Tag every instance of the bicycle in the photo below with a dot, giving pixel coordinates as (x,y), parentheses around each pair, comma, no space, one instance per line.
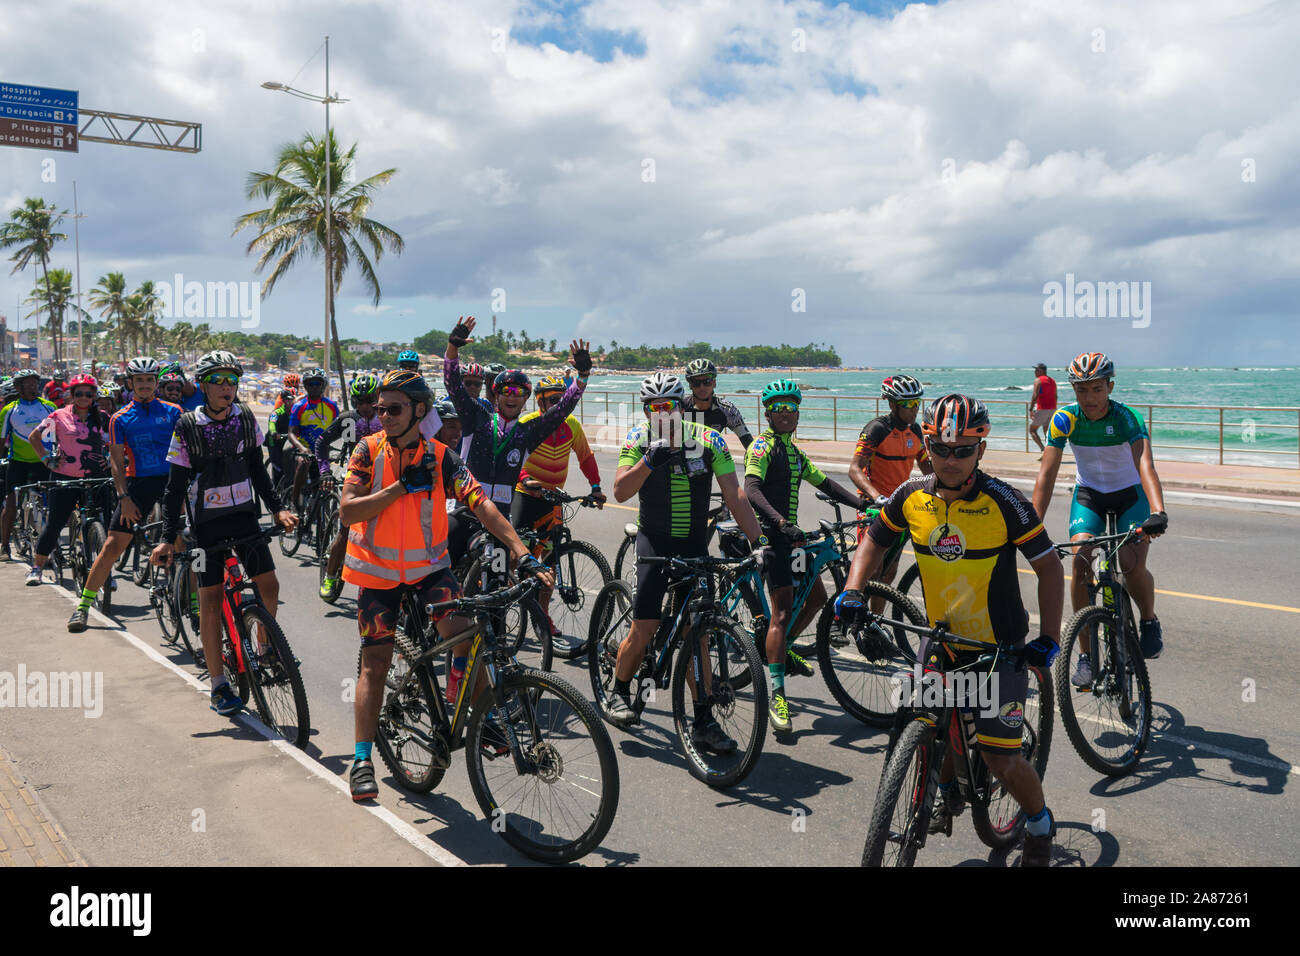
(625,560)
(175,602)
(732,683)
(557,761)
(580,572)
(86,535)
(1120,723)
(144,536)
(921,737)
(321,504)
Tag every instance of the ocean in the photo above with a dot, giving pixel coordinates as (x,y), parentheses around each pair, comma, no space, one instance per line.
(834,405)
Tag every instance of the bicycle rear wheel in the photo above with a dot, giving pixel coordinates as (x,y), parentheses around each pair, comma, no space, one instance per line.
(407,736)
(276,681)
(184,603)
(94,536)
(901,814)
(553,797)
(160,599)
(580,572)
(611,620)
(625,562)
(329,533)
(738,706)
(140,569)
(999,821)
(291,541)
(1109,721)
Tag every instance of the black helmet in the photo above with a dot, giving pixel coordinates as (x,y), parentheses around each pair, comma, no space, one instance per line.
(409,382)
(314,375)
(217,359)
(513,377)
(446,410)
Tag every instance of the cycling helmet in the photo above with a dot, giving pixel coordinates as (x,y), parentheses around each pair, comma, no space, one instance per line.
(83,380)
(955,416)
(25,373)
(408,355)
(660,385)
(901,388)
(109,390)
(8,391)
(1091,366)
(172,368)
(513,377)
(472,371)
(409,382)
(217,359)
(314,375)
(287,395)
(550,383)
(697,367)
(493,369)
(142,365)
(364,384)
(786,389)
(446,410)
(292,380)
(171,378)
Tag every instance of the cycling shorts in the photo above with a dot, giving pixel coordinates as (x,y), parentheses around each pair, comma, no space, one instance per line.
(894,550)
(256,558)
(999,718)
(377,608)
(1088,509)
(527,512)
(146,492)
(652,579)
(779,570)
(25,473)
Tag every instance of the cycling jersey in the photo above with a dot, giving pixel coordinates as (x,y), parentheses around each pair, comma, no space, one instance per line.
(674,501)
(219,464)
(549,464)
(891,450)
(351,426)
(966,552)
(777,464)
(1103,455)
(17,420)
(309,419)
(80,443)
(721,414)
(192,402)
(145,432)
(277,424)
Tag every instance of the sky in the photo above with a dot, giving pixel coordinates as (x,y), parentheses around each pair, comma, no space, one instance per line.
(903,182)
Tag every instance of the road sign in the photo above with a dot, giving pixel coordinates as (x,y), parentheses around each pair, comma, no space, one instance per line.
(46,114)
(37,135)
(23,95)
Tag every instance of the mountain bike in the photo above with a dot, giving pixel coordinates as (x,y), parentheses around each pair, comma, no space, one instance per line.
(625,560)
(540,762)
(921,737)
(1114,729)
(717,666)
(320,505)
(144,536)
(175,602)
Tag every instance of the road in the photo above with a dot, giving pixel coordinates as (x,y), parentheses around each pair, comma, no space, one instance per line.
(1211,790)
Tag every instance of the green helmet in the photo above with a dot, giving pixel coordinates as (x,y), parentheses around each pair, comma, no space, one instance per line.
(782,389)
(365,384)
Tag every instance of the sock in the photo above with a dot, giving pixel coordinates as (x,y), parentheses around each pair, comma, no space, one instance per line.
(218,682)
(362,750)
(703,714)
(87,599)
(623,687)
(1040,824)
(459,664)
(778,677)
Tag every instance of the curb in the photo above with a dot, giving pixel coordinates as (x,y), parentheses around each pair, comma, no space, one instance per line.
(41,841)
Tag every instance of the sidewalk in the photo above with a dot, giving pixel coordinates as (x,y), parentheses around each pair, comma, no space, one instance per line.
(137,771)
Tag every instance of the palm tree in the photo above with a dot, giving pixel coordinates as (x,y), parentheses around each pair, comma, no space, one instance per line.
(109,297)
(54,297)
(294,224)
(30,232)
(201,340)
(178,339)
(148,306)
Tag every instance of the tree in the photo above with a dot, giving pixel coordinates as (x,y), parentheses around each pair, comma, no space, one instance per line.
(109,297)
(433,342)
(54,297)
(30,233)
(294,224)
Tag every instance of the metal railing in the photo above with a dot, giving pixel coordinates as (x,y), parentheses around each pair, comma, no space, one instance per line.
(1245,435)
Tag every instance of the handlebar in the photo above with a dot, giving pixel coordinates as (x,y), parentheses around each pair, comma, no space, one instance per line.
(557,497)
(487,602)
(1065,548)
(263,534)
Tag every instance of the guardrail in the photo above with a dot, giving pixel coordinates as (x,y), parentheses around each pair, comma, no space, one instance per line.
(1229,434)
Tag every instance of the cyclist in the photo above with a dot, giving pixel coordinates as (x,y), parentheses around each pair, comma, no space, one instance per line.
(490,373)
(1114,472)
(351,426)
(277,431)
(124,393)
(472,376)
(106,398)
(138,438)
(215,478)
(965,527)
(547,468)
(171,388)
(888,448)
(703,405)
(56,390)
(309,416)
(191,396)
(408,360)
(394,501)
(450,432)
(774,468)
(17,419)
(670,462)
(77,431)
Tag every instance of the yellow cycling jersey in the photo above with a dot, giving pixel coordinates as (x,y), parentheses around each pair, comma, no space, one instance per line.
(966,550)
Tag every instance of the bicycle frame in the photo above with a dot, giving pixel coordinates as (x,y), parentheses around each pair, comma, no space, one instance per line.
(823,553)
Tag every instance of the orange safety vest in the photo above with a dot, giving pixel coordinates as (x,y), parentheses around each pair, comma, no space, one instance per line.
(406,541)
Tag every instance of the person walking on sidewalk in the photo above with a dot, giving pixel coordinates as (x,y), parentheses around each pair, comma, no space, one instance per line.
(1042,404)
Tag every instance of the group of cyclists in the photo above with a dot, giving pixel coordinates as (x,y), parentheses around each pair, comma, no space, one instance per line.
(421,472)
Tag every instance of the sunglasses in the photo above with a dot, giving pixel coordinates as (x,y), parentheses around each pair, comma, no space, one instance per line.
(697,382)
(391,410)
(908,403)
(953,451)
(549,398)
(83,394)
(783,407)
(664,405)
(221,378)
(512,391)
(316,384)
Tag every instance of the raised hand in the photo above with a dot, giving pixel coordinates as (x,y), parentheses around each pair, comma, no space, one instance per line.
(580,356)
(460,335)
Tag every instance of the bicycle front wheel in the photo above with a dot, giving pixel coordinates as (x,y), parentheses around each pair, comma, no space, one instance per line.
(625,562)
(407,736)
(542,767)
(95,539)
(736,696)
(1109,720)
(276,681)
(184,604)
(611,620)
(141,570)
(999,821)
(901,814)
(580,572)
(330,532)
(291,541)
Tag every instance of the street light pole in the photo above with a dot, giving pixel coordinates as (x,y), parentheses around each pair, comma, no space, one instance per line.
(329,223)
(76,218)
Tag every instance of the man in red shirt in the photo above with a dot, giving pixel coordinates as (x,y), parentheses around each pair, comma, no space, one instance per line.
(1042,404)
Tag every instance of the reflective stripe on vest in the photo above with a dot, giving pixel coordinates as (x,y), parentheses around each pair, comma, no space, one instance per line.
(406,541)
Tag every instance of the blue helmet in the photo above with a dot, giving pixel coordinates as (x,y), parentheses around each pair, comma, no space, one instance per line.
(408,355)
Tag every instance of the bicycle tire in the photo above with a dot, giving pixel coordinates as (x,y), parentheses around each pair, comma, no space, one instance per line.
(331,532)
(160,599)
(999,821)
(915,749)
(408,696)
(141,569)
(727,640)
(96,539)
(514,624)
(1094,620)
(230,664)
(611,619)
(277,683)
(547,716)
(861,675)
(327,508)
(625,562)
(574,595)
(291,541)
(187,622)
(911,587)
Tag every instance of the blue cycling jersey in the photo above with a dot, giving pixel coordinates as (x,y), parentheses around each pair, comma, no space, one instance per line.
(146,433)
(310,419)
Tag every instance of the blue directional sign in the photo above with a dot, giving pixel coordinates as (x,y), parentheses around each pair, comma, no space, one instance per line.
(43,114)
(20,94)
(38,117)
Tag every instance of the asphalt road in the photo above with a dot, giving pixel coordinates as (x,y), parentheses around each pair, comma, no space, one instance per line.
(1212,788)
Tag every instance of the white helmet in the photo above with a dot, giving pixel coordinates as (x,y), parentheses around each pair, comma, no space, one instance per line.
(142,365)
(901,388)
(661,385)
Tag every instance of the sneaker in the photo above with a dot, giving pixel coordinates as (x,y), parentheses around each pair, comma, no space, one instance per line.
(79,620)
(618,711)
(1037,850)
(1150,640)
(796,666)
(5,554)
(33,578)
(946,806)
(362,780)
(779,712)
(1082,676)
(330,589)
(708,735)
(225,701)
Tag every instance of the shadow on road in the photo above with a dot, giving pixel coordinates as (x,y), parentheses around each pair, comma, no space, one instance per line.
(1076,845)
